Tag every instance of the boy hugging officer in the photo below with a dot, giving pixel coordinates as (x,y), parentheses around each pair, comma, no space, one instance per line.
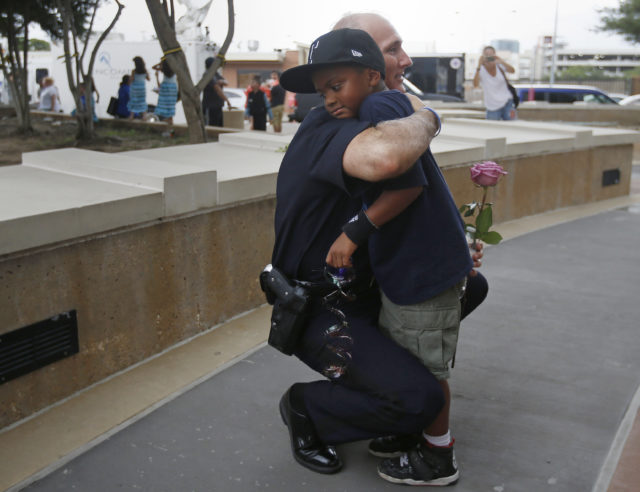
(418,254)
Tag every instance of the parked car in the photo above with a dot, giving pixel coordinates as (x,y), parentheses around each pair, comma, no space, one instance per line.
(631,100)
(303,104)
(559,93)
(616,96)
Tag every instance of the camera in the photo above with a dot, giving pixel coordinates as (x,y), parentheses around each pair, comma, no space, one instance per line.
(491,58)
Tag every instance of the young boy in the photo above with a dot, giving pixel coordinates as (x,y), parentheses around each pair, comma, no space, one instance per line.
(257,106)
(420,257)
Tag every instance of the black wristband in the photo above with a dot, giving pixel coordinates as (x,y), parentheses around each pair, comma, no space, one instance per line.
(359,228)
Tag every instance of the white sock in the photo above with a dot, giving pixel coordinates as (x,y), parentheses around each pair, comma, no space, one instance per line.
(440,441)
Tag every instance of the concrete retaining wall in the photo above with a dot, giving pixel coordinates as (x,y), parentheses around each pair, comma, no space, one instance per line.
(137,292)
(537,184)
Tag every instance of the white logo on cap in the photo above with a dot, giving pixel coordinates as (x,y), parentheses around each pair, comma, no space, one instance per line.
(356,53)
(313,47)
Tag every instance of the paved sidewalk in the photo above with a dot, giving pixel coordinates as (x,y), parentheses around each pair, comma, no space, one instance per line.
(544,376)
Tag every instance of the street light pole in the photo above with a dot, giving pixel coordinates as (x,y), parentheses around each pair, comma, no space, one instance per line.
(552,77)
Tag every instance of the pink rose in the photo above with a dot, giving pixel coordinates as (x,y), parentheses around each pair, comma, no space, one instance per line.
(486,173)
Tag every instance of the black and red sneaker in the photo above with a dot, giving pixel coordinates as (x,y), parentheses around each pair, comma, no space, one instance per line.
(424,465)
(393,446)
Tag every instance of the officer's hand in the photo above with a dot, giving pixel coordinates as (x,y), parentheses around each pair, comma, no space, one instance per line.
(476,256)
(341,252)
(415,101)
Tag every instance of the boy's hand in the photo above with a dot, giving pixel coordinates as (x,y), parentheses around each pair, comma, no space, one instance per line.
(341,251)
(476,256)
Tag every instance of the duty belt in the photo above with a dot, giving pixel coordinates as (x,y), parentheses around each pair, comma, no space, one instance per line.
(317,289)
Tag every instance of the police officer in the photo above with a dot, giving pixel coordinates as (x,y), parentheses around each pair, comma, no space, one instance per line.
(374,388)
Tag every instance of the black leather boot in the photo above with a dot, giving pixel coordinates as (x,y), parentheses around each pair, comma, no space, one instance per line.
(307,449)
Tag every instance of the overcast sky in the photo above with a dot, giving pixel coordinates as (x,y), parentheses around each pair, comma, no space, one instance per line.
(425,25)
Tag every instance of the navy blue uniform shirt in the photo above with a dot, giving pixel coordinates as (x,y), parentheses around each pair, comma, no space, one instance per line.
(422,251)
(314,198)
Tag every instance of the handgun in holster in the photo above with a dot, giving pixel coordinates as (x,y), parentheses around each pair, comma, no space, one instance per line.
(289,314)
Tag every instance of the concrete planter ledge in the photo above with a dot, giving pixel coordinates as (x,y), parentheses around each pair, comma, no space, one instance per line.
(241,166)
(185,187)
(451,151)
(448,113)
(39,207)
(243,172)
(584,136)
(520,140)
(490,148)
(257,140)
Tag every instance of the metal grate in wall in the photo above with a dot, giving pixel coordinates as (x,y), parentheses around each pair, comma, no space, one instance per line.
(611,177)
(29,348)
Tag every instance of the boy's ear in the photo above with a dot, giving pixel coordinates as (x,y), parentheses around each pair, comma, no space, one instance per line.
(374,77)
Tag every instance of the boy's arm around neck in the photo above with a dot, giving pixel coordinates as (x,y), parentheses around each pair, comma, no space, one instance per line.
(392,203)
(387,206)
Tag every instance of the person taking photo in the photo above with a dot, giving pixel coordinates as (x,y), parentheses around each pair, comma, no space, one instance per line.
(490,74)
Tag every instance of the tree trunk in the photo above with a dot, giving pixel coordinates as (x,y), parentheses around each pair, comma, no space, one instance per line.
(26,121)
(14,75)
(76,74)
(84,114)
(65,14)
(178,63)
(20,102)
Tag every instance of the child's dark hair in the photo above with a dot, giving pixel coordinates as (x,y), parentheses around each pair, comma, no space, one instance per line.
(257,79)
(165,69)
(125,80)
(139,63)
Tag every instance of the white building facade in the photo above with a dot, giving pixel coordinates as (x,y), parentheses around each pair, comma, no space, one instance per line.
(613,62)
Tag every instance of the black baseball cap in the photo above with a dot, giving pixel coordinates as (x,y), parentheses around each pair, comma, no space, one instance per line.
(339,46)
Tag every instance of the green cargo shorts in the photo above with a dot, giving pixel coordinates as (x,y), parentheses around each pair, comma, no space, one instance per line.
(429,330)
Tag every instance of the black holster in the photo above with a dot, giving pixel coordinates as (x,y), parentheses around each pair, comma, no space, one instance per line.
(289,316)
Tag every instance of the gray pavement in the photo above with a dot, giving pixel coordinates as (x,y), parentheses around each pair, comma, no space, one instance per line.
(545,371)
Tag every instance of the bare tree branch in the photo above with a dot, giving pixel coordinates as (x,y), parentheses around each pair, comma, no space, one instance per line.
(67,55)
(13,49)
(103,36)
(68,12)
(24,75)
(90,30)
(208,75)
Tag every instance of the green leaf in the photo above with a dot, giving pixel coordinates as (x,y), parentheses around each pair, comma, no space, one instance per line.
(491,237)
(463,208)
(484,220)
